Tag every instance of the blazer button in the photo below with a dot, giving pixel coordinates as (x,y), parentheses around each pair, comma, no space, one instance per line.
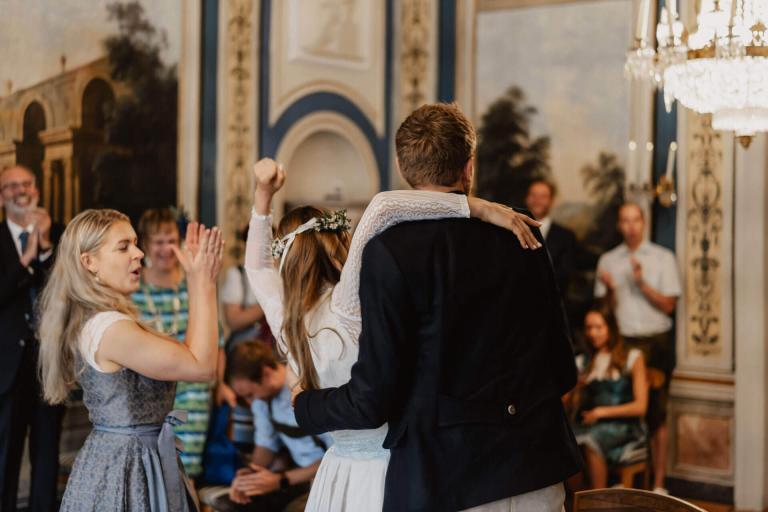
(22,343)
(511,409)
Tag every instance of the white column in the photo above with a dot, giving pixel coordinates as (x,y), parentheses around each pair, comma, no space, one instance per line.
(237,130)
(188,150)
(751,330)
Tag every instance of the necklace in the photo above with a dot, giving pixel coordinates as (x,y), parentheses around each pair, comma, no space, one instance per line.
(157,318)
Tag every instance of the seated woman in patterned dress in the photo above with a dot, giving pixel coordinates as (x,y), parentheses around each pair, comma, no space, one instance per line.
(611,398)
(90,334)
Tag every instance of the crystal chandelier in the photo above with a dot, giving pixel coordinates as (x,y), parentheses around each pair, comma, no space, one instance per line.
(721,68)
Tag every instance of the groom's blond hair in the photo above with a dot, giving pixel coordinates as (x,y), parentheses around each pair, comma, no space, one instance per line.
(434,144)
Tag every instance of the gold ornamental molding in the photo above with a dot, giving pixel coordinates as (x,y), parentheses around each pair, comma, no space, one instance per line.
(709,52)
(704,232)
(415,54)
(237,132)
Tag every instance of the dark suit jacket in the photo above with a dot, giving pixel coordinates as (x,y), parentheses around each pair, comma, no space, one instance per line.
(465,351)
(16,309)
(561,244)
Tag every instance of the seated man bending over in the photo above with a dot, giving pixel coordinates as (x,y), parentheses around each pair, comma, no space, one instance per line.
(266,484)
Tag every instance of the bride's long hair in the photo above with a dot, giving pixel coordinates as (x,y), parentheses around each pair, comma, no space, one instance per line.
(312,266)
(71,296)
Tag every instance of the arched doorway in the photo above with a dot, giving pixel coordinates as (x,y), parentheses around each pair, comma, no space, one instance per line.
(97,109)
(331,163)
(98,104)
(30,152)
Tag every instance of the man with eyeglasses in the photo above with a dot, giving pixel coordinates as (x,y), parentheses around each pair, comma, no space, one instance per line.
(27,238)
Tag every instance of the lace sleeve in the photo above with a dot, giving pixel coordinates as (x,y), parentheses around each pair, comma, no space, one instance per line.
(265,282)
(385,210)
(258,247)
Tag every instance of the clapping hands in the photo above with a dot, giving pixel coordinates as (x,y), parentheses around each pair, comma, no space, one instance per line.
(202,254)
(41,220)
(253,481)
(637,270)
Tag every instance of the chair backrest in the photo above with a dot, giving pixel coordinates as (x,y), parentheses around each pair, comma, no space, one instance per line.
(656,378)
(629,500)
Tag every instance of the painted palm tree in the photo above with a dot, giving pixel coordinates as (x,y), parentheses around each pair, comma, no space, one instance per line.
(605,180)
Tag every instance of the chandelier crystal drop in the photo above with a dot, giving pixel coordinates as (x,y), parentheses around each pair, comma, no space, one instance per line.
(720,68)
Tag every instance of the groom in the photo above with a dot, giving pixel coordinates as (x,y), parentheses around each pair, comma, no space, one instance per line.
(464,351)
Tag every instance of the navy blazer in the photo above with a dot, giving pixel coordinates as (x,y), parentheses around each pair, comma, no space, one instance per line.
(16,308)
(465,351)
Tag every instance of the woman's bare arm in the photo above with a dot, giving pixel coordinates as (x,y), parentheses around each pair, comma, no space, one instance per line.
(126,344)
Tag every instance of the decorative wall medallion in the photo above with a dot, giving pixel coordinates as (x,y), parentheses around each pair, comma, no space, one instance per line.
(332,32)
(704,222)
(239,136)
(329,47)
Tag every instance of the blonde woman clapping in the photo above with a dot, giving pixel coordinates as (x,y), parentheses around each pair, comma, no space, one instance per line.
(90,334)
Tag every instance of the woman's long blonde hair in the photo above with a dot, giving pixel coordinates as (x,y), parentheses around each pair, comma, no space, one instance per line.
(311,267)
(71,296)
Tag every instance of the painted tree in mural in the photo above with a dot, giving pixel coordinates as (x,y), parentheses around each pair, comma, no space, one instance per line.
(605,182)
(137,170)
(508,157)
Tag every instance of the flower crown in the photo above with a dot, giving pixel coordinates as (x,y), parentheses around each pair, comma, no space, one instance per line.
(335,221)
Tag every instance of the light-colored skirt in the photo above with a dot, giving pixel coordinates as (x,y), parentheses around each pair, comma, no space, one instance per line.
(352,474)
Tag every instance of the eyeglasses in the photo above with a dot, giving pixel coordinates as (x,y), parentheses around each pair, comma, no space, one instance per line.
(18,185)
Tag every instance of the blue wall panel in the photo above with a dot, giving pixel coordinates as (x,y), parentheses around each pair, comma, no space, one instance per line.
(209,53)
(446,51)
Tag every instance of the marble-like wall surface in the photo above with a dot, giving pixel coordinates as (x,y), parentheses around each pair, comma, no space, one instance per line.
(702,427)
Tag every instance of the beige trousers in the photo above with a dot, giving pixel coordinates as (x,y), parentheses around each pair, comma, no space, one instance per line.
(548,499)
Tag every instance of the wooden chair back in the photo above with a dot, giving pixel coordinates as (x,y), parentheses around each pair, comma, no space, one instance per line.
(656,378)
(629,500)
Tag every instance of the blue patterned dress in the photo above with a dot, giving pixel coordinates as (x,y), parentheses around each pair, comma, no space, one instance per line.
(121,468)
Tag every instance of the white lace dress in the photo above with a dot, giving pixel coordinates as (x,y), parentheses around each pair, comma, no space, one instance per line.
(351,475)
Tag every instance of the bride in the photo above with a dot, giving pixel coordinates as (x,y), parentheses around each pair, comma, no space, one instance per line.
(311,301)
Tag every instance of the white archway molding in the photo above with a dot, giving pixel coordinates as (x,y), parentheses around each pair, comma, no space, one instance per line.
(278,106)
(333,125)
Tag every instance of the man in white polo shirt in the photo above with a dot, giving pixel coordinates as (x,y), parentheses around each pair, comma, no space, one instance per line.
(640,280)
